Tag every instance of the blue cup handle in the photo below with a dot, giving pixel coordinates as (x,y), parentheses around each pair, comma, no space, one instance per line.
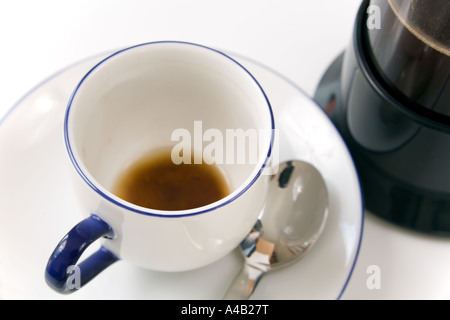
(62,273)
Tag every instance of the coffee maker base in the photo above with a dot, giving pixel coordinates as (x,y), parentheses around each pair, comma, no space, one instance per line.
(395,201)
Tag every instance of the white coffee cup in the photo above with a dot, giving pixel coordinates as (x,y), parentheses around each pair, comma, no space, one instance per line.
(132,102)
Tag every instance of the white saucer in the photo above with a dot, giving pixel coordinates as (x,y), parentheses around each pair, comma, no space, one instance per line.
(37,206)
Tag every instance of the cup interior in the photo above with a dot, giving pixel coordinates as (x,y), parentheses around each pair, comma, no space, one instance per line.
(133,101)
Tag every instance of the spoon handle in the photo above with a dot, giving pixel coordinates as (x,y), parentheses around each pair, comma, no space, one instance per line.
(244,283)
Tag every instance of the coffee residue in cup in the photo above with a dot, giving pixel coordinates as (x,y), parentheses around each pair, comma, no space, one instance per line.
(155,182)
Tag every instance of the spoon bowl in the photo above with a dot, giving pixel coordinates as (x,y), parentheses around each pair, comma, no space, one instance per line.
(289,225)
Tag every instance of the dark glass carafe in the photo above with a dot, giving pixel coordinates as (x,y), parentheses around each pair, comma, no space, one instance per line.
(393,110)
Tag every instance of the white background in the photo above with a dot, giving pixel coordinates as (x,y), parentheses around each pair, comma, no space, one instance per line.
(298,38)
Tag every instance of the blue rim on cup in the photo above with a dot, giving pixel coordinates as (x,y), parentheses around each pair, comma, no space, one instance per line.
(63,274)
(106,195)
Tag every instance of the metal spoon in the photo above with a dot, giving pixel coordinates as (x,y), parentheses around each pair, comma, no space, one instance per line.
(290,224)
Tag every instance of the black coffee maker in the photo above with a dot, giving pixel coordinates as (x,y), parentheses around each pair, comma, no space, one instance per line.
(389,96)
